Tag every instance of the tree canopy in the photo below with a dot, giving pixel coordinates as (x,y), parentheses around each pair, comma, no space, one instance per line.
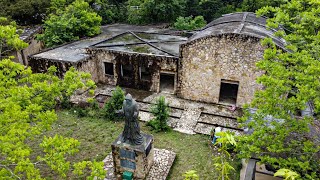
(71,23)
(24,12)
(27,103)
(290,82)
(9,39)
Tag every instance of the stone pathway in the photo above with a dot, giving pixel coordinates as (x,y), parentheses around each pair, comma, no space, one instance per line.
(163,160)
(188,120)
(186,116)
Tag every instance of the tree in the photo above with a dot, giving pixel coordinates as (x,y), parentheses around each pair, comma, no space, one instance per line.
(287,174)
(75,21)
(9,39)
(154,11)
(27,103)
(115,103)
(188,23)
(290,82)
(160,112)
(226,141)
(211,9)
(253,5)
(24,12)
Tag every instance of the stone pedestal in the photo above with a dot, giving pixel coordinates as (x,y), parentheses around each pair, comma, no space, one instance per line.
(137,159)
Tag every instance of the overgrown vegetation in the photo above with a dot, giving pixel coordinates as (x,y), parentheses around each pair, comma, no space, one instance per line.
(70,23)
(9,39)
(160,111)
(290,82)
(27,103)
(113,104)
(191,175)
(131,11)
(189,23)
(222,164)
(96,135)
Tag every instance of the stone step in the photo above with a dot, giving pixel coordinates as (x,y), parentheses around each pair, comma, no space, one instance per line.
(173,112)
(188,120)
(218,120)
(202,128)
(147,116)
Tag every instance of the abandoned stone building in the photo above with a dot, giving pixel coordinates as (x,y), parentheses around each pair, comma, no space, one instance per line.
(35,46)
(215,65)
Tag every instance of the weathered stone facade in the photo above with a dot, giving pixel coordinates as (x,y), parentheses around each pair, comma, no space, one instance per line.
(207,61)
(155,65)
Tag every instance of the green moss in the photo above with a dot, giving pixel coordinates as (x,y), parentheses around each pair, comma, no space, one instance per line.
(141,49)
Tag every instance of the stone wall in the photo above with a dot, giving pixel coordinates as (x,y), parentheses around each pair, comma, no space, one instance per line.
(206,61)
(156,65)
(21,56)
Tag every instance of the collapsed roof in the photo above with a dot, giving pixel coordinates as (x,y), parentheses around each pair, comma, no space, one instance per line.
(143,43)
(245,23)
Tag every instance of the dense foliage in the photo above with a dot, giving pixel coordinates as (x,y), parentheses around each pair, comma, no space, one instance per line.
(160,111)
(9,39)
(154,11)
(132,11)
(27,103)
(291,80)
(71,23)
(113,104)
(24,12)
(189,23)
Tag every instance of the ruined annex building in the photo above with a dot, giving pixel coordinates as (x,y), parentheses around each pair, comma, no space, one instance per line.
(215,65)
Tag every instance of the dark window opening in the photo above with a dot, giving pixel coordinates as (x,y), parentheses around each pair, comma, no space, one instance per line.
(127,70)
(167,82)
(108,68)
(145,73)
(228,92)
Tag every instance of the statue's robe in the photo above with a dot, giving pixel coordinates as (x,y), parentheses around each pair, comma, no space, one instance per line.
(131,130)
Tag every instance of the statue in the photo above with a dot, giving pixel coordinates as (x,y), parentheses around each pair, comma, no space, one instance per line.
(131,132)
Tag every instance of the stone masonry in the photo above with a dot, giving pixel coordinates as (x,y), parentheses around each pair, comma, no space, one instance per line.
(206,61)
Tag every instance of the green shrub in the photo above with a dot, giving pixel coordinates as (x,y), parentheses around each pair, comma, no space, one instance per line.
(161,113)
(188,23)
(114,103)
(191,175)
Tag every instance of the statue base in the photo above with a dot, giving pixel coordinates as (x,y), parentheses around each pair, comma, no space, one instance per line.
(137,159)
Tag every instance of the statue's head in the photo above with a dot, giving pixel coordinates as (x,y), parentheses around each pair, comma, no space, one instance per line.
(128,98)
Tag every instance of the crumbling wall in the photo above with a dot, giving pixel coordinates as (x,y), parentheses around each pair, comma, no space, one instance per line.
(89,66)
(155,64)
(39,65)
(34,47)
(205,62)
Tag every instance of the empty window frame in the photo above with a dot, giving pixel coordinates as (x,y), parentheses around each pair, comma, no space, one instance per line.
(167,82)
(108,68)
(145,73)
(228,91)
(127,70)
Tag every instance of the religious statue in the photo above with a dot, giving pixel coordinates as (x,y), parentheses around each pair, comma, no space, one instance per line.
(131,132)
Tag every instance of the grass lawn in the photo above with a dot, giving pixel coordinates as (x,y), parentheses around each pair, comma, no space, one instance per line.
(97,134)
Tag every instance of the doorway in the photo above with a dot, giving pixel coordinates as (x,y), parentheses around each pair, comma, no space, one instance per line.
(167,82)
(228,92)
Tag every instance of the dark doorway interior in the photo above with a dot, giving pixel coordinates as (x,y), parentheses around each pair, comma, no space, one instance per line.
(228,92)
(108,68)
(167,82)
(127,70)
(145,73)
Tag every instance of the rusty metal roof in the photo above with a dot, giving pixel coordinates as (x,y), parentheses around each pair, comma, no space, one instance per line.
(245,23)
